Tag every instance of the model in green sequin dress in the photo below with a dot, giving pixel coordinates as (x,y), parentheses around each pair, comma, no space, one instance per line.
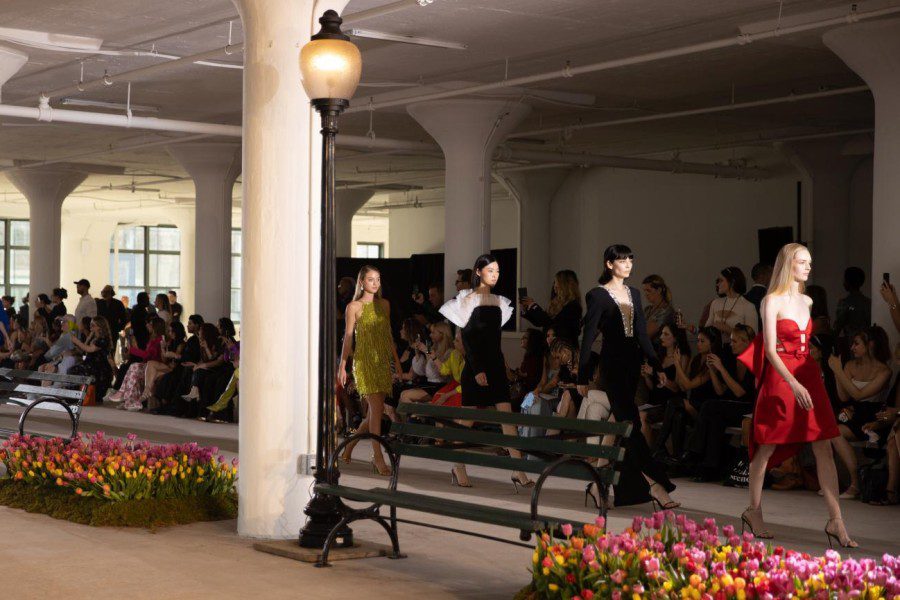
(373,354)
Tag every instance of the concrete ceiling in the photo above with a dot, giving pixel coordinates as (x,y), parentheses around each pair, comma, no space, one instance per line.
(514,37)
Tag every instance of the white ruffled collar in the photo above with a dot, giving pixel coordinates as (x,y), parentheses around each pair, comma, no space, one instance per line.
(459,310)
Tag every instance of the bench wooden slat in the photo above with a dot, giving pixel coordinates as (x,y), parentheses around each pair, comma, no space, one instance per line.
(535,444)
(25,403)
(40,390)
(442,506)
(593,428)
(37,376)
(607,475)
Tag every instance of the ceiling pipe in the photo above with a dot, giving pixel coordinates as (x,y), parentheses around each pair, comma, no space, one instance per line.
(48,114)
(763,141)
(568,71)
(165,67)
(695,111)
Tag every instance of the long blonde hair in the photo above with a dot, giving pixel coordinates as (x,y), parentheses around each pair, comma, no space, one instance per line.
(566,290)
(361,278)
(781,274)
(442,348)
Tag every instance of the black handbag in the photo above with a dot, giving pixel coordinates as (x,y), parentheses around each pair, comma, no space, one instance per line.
(873,482)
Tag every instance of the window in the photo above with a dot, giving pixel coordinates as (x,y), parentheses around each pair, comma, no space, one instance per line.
(236,275)
(15,238)
(369,250)
(145,259)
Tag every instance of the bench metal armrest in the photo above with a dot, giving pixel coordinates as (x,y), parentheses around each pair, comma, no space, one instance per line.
(332,468)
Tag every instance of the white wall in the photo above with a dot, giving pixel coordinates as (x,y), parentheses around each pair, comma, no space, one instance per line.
(373,229)
(683,227)
(421,230)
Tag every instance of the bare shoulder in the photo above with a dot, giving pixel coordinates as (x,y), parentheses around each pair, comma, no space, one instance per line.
(354,307)
(773,300)
(808,300)
(383,303)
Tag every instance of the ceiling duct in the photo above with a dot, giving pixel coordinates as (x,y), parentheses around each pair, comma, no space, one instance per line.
(11,61)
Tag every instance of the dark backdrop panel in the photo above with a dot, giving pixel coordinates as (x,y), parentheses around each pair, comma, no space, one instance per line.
(399,275)
(395,282)
(771,240)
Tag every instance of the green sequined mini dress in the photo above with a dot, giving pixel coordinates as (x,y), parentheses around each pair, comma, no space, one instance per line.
(373,355)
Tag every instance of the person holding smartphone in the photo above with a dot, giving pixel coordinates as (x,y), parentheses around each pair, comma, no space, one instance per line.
(889,295)
(563,314)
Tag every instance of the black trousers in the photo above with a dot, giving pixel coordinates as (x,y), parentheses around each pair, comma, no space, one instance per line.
(621,370)
(708,437)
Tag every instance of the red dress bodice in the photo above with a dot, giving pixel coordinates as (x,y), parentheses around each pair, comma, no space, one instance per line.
(777,417)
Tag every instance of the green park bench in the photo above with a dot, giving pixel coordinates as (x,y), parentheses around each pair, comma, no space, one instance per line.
(567,454)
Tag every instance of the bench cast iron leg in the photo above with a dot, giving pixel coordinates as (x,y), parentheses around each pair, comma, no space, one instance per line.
(392,532)
(323,558)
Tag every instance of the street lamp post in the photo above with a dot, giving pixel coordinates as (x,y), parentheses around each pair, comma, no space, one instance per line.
(330,66)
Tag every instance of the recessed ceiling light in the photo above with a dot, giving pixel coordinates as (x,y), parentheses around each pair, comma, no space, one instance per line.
(405,39)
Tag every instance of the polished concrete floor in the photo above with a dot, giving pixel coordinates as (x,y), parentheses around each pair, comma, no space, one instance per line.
(44,558)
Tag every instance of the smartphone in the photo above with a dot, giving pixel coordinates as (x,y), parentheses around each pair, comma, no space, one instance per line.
(523,292)
(887,278)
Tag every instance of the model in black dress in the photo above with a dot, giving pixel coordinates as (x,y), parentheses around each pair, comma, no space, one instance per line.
(481,315)
(624,345)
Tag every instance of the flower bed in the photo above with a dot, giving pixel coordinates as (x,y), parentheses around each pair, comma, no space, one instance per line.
(118,482)
(670,556)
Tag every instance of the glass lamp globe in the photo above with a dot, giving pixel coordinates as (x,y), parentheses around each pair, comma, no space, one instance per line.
(330,64)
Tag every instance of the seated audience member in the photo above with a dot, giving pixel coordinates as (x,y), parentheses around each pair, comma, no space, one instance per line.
(671,339)
(217,411)
(174,346)
(227,332)
(528,375)
(451,394)
(36,343)
(57,307)
(564,312)
(129,393)
(429,306)
(463,279)
(861,385)
(441,346)
(854,311)
(697,383)
(887,427)
(658,310)
(163,308)
(731,308)
(735,389)
(60,357)
(567,377)
(208,373)
(172,385)
(140,314)
(97,348)
(43,308)
(761,273)
(9,305)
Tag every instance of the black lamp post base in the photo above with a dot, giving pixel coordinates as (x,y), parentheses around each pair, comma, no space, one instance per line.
(323,513)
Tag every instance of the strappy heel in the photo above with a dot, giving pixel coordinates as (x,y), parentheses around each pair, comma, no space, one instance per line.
(589,493)
(747,518)
(517,482)
(385,473)
(848,543)
(670,505)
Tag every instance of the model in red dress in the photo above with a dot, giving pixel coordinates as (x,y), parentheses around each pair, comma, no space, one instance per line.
(792,407)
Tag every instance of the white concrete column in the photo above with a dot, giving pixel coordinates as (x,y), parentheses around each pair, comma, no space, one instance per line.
(46,189)
(873,51)
(468,131)
(214,167)
(534,191)
(828,174)
(280,232)
(346,203)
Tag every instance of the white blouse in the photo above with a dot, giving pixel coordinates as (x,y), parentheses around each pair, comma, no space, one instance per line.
(741,311)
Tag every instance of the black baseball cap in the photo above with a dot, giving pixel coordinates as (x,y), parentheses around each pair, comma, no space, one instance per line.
(83,282)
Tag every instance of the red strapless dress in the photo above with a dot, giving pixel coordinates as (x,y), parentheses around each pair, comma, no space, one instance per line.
(777,417)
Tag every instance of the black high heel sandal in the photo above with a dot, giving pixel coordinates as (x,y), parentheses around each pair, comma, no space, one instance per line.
(517,482)
(746,523)
(670,505)
(850,543)
(454,479)
(589,493)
